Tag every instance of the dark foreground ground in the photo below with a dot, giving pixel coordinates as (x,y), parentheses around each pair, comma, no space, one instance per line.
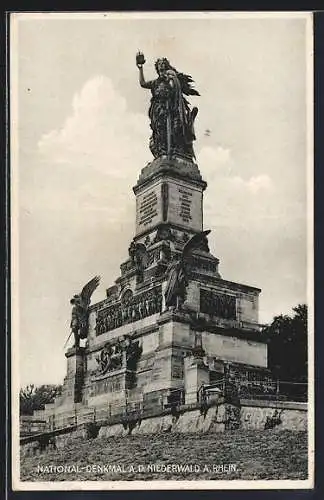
(252,454)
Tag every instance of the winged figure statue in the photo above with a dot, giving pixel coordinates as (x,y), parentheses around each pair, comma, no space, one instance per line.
(177,282)
(80,311)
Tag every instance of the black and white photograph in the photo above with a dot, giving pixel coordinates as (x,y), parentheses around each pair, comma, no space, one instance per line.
(161,187)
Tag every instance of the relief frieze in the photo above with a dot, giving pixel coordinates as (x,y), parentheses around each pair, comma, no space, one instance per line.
(122,312)
(218,304)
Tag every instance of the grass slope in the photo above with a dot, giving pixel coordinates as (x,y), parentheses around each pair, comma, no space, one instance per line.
(257,454)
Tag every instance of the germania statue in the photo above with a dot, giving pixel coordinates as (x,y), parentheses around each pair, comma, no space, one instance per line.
(172,120)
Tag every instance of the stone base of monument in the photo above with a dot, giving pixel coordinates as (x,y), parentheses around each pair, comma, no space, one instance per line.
(221,417)
(179,352)
(74,380)
(154,343)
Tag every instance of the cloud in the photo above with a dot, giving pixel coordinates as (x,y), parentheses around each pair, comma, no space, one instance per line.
(100,132)
(214,156)
(257,231)
(92,161)
(254,185)
(230,199)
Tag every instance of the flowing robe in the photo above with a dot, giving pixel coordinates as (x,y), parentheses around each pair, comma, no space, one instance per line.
(176,284)
(171,119)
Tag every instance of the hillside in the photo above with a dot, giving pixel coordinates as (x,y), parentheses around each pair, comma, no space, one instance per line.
(252,454)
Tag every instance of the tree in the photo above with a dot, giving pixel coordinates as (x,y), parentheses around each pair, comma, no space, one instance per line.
(34,398)
(287,345)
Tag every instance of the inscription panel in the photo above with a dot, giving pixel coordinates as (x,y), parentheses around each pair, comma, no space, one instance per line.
(169,201)
(114,384)
(148,208)
(185,206)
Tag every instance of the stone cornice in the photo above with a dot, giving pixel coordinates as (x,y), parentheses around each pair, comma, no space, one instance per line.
(175,167)
(203,278)
(171,225)
(199,323)
(140,332)
(251,335)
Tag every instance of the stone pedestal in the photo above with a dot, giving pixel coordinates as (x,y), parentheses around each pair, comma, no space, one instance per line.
(73,383)
(169,191)
(109,388)
(196,375)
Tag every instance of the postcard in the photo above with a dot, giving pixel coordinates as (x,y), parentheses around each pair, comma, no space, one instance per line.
(161,186)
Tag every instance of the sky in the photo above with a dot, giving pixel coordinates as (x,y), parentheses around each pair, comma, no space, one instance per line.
(81,139)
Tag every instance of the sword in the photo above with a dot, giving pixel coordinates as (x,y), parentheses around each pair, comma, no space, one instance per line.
(67,340)
(168,126)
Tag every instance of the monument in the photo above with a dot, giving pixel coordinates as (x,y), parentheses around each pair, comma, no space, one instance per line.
(170,324)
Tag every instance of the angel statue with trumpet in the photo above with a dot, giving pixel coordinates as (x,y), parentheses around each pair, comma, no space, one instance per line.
(172,120)
(80,311)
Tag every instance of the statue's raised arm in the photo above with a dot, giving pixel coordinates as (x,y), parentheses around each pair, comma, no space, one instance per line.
(140,61)
(172,120)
